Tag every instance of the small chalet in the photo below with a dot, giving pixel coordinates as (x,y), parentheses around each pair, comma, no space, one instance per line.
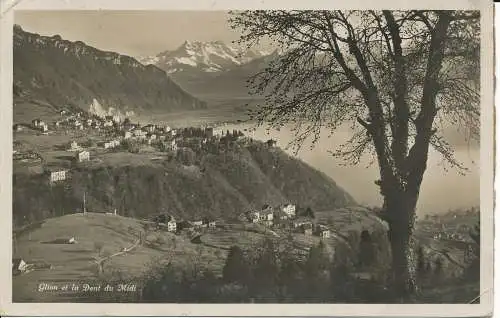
(111,144)
(171,224)
(83,156)
(57,175)
(289,209)
(323,232)
(210,223)
(197,223)
(266,214)
(37,123)
(19,266)
(108,123)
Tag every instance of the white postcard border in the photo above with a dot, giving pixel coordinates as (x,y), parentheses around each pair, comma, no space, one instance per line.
(487,163)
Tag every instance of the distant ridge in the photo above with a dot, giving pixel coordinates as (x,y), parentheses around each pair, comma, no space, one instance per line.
(209,57)
(66,74)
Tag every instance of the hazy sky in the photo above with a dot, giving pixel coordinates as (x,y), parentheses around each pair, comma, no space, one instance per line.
(132,33)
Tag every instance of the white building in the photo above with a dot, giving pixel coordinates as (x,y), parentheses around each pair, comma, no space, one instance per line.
(172,225)
(127,135)
(112,144)
(59,175)
(37,123)
(19,265)
(289,210)
(83,156)
(173,145)
(198,223)
(324,233)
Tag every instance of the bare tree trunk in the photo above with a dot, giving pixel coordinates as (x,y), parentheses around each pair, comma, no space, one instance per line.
(400,209)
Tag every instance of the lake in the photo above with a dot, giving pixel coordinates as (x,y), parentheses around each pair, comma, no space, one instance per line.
(442,189)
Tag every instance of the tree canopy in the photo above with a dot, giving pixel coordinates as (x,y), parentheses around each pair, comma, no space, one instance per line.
(377,70)
(398,78)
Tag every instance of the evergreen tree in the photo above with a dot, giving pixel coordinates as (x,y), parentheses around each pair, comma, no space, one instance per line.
(236,268)
(309,213)
(266,272)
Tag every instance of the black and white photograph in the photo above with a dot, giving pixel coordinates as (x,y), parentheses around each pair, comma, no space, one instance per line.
(242,156)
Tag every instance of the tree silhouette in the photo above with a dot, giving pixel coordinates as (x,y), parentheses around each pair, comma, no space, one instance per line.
(309,213)
(236,268)
(395,76)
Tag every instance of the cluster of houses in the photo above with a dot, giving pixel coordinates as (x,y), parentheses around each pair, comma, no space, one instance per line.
(168,222)
(454,226)
(165,138)
(286,214)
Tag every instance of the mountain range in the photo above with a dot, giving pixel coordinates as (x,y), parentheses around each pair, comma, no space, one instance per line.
(58,74)
(213,71)
(213,56)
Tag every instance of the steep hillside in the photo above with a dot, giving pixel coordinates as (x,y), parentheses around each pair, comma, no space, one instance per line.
(64,74)
(222,184)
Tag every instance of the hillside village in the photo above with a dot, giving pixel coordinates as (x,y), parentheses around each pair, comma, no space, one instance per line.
(115,134)
(122,135)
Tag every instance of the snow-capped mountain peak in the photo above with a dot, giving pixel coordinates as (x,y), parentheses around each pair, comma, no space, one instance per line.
(214,56)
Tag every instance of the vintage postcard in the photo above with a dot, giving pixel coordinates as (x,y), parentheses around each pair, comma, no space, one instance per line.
(247,158)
